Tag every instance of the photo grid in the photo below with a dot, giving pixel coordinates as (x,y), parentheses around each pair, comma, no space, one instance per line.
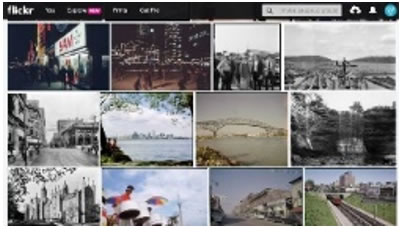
(202,124)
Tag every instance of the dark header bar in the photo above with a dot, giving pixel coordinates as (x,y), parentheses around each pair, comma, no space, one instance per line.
(15,11)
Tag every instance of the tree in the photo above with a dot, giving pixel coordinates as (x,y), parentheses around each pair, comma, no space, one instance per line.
(12,204)
(175,103)
(172,103)
(310,183)
(18,179)
(356,119)
(379,134)
(314,121)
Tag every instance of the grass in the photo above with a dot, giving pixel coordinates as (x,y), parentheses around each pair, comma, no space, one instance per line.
(385,210)
(317,211)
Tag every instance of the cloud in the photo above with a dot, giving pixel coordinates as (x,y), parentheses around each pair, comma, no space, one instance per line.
(389,39)
(118,123)
(130,173)
(338,40)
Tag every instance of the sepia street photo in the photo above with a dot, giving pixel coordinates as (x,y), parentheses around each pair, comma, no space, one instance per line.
(350,197)
(343,128)
(161,57)
(238,129)
(147,129)
(46,56)
(247,57)
(53,129)
(64,196)
(154,197)
(256,197)
(340,56)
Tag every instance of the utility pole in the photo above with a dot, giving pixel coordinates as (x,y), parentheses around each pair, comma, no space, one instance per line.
(180,211)
(93,133)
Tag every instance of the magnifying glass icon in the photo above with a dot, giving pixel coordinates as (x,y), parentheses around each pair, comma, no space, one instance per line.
(269,10)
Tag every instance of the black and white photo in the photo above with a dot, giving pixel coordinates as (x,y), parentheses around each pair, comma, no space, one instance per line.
(65,196)
(247,57)
(343,128)
(340,56)
(53,129)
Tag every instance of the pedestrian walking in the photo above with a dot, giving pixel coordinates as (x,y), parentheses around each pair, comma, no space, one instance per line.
(257,73)
(185,76)
(268,73)
(245,73)
(224,67)
(216,74)
(46,73)
(23,151)
(70,76)
(63,76)
(149,76)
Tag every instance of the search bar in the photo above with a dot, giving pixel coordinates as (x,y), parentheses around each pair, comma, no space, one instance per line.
(301,10)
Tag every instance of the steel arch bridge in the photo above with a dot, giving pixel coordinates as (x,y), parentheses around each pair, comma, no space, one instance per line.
(215,125)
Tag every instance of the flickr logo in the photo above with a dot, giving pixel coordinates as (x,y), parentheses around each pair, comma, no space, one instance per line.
(15,10)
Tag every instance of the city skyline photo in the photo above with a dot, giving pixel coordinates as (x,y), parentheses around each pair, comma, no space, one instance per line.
(147,128)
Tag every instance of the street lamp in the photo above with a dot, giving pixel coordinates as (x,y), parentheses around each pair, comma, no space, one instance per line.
(93,134)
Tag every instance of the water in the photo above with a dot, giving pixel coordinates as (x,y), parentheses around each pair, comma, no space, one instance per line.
(251,151)
(157,150)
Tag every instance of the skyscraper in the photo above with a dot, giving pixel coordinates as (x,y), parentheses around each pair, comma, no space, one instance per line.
(173,43)
(347,179)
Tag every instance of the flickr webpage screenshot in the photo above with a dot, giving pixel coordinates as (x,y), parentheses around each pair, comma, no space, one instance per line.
(201,114)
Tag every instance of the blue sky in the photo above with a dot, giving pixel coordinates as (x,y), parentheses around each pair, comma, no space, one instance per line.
(189,184)
(144,119)
(235,184)
(327,176)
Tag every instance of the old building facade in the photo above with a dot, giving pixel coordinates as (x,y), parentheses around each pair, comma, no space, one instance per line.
(63,205)
(26,123)
(75,132)
(269,202)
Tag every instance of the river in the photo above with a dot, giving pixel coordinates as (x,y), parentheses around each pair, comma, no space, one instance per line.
(251,151)
(157,149)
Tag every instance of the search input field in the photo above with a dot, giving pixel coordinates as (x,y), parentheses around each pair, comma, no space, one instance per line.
(302,10)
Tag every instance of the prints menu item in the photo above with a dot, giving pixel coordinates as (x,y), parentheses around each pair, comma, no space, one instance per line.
(155,197)
(358,131)
(241,129)
(50,129)
(257,197)
(340,56)
(350,197)
(161,57)
(247,57)
(58,56)
(53,196)
(147,129)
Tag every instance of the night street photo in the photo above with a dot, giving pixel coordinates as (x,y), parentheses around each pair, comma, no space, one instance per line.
(161,57)
(58,56)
